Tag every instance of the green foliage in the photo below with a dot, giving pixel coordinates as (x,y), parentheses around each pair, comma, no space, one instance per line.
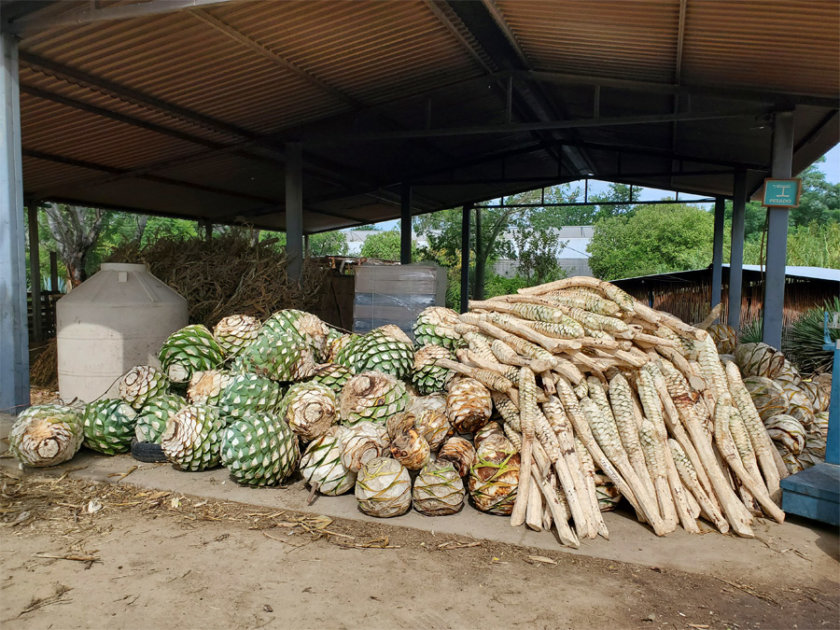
(653,239)
(820,200)
(816,245)
(499,285)
(328,244)
(803,341)
(386,246)
(751,331)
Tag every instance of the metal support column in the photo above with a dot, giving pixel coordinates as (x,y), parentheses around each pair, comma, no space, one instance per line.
(465,256)
(405,224)
(777,227)
(717,252)
(35,273)
(306,251)
(294,209)
(736,258)
(478,290)
(14,345)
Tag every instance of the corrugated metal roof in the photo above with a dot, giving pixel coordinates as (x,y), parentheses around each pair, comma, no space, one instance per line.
(185,112)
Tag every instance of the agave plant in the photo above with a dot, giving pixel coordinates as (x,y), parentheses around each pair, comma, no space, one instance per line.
(751,331)
(803,343)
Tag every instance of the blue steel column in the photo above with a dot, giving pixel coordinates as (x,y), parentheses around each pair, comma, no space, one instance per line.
(736,258)
(466,211)
(14,344)
(405,225)
(717,252)
(294,209)
(777,227)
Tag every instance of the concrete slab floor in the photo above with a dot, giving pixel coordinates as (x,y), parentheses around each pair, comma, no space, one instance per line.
(796,552)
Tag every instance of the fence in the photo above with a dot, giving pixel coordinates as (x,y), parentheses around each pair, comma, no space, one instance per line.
(48,300)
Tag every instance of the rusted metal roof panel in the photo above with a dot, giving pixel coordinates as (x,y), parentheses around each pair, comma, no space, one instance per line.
(617,38)
(791,46)
(186,112)
(787,46)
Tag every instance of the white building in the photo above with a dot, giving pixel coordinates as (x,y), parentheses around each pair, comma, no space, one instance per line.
(572,242)
(356,239)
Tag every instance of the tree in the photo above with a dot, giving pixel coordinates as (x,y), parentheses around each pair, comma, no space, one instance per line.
(328,244)
(820,199)
(536,252)
(654,239)
(75,230)
(385,246)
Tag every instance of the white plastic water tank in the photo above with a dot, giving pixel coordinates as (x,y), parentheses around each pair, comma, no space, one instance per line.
(115,320)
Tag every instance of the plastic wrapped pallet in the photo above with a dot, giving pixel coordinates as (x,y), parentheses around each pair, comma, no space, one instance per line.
(395,294)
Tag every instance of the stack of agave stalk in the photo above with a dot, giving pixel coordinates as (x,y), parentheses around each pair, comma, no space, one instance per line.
(547,407)
(584,378)
(794,408)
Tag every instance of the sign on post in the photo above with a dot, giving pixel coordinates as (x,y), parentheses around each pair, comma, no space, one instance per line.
(782,192)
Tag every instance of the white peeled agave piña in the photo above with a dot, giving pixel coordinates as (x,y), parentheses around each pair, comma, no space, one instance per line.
(46,435)
(362,442)
(383,488)
(460,452)
(438,489)
(410,448)
(321,465)
(310,409)
(787,431)
(430,419)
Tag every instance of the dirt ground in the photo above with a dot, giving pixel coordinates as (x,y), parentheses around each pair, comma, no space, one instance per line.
(80,554)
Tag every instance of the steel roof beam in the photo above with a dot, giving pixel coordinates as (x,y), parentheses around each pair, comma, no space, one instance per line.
(114,115)
(574,204)
(50,157)
(635,85)
(580,161)
(88,14)
(248,138)
(490,37)
(508,128)
(242,39)
(317,167)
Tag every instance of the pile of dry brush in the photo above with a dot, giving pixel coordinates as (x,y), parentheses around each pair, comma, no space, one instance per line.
(228,274)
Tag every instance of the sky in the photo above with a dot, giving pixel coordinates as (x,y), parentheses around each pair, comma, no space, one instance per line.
(831,168)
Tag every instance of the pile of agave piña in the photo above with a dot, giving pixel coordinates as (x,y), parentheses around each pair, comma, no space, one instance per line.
(547,406)
(794,408)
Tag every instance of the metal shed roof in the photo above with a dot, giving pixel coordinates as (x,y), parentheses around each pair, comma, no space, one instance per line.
(183,107)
